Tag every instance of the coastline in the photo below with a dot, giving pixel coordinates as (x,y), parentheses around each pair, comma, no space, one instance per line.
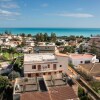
(59,31)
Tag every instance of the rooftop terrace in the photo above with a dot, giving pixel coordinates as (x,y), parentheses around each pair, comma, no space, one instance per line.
(39,57)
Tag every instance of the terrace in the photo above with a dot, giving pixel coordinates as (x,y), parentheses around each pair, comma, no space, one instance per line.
(51,88)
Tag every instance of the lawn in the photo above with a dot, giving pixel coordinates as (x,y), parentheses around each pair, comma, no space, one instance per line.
(8,56)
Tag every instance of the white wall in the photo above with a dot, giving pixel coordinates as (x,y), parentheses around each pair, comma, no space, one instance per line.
(76,62)
(62,60)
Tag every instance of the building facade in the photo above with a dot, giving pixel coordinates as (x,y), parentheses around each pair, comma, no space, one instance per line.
(77,59)
(44,47)
(44,64)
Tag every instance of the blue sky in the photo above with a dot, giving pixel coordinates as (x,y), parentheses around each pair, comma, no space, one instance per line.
(50,13)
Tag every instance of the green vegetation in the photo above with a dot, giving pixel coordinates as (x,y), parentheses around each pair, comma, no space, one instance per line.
(9,56)
(40,37)
(3,83)
(6,89)
(59,43)
(81,94)
(69,49)
(95,85)
(13,75)
(93,48)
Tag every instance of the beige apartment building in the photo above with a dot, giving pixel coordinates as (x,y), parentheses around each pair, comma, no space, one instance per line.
(44,64)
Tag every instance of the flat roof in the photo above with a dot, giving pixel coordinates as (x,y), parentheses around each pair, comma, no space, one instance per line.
(38,57)
(80,56)
(61,54)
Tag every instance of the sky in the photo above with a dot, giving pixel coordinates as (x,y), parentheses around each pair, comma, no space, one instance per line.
(50,13)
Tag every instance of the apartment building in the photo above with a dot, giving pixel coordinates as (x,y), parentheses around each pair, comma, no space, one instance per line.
(44,64)
(44,47)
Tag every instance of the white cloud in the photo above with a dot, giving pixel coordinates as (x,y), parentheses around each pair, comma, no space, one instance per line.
(5,0)
(9,6)
(76,15)
(44,5)
(8,13)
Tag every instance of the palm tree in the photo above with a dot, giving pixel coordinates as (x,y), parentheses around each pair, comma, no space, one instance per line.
(11,51)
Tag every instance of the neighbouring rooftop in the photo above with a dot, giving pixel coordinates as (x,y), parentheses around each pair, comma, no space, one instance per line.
(81,56)
(54,93)
(46,44)
(53,88)
(92,68)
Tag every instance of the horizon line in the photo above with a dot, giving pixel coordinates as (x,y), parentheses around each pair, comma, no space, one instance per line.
(51,27)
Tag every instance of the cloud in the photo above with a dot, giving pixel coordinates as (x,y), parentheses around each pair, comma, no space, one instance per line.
(76,15)
(44,5)
(8,13)
(5,0)
(10,6)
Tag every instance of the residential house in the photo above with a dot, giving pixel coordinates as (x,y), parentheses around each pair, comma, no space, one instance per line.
(44,64)
(77,59)
(43,47)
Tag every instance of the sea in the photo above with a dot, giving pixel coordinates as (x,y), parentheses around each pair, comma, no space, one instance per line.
(87,32)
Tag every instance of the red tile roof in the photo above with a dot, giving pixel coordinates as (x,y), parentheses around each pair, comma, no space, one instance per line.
(54,93)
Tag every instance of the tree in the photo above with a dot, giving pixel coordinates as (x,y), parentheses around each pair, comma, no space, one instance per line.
(82,36)
(81,94)
(53,37)
(41,37)
(8,94)
(45,37)
(3,83)
(23,35)
(93,48)
(69,49)
(59,43)
(72,37)
(91,35)
(29,35)
(37,37)
(13,75)
(11,51)
(81,49)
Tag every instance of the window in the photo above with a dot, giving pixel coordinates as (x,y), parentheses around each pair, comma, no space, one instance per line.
(60,65)
(34,67)
(37,74)
(81,62)
(88,61)
(48,66)
(49,73)
(54,66)
(39,67)
(29,75)
(60,71)
(43,73)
